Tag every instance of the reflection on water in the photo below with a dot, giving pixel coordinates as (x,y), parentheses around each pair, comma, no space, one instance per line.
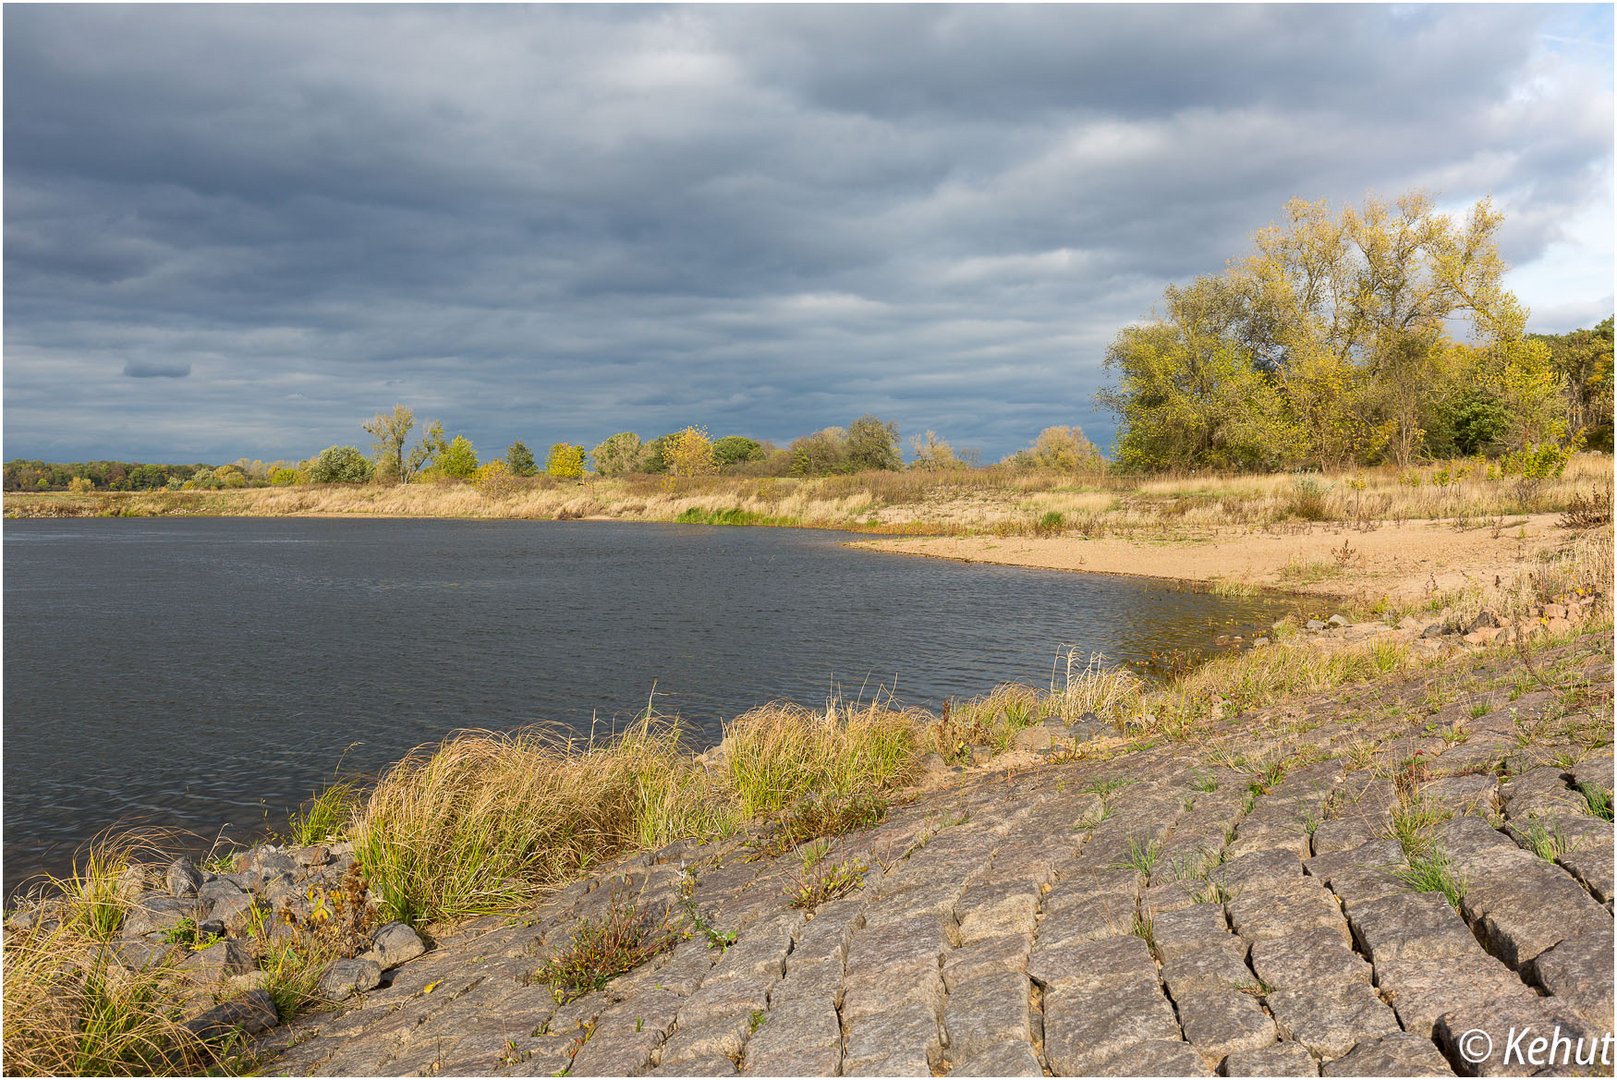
(211,672)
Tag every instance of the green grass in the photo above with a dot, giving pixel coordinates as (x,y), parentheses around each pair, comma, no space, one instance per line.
(1597,799)
(1548,842)
(1432,871)
(733,515)
(328,815)
(1141,857)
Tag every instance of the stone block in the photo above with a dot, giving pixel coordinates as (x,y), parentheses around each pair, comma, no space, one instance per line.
(1220,1022)
(988,1011)
(1279,1059)
(1399,1054)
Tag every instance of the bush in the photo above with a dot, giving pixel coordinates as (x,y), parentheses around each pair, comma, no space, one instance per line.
(458,460)
(341,465)
(735,449)
(79,485)
(1050,524)
(283,477)
(520,460)
(566,462)
(1309,500)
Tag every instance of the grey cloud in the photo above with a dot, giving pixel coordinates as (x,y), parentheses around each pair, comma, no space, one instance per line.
(138,369)
(559,222)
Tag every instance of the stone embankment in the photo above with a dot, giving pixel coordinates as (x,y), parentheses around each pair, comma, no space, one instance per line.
(1351,884)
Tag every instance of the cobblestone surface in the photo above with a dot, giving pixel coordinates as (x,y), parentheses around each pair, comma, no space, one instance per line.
(1242,904)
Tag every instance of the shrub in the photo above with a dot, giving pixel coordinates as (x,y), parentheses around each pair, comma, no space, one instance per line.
(735,449)
(283,477)
(566,461)
(79,485)
(619,454)
(1051,524)
(341,465)
(457,460)
(1587,511)
(1309,500)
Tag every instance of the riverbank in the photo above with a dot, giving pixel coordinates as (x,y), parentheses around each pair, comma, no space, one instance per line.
(1400,562)
(1020,885)
(499,823)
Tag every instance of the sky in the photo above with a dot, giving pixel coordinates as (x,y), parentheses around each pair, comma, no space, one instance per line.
(242,230)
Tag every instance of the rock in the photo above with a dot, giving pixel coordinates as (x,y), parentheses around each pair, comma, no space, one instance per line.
(1258,643)
(1408,622)
(1436,630)
(140,953)
(247,981)
(1487,619)
(214,927)
(217,962)
(393,945)
(1482,636)
(253,1013)
(345,977)
(263,864)
(1337,620)
(223,901)
(313,855)
(1037,737)
(1011,1058)
(1314,624)
(1555,611)
(1281,1059)
(182,878)
(156,911)
(1399,1054)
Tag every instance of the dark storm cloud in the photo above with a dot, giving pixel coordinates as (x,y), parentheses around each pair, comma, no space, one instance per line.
(556,223)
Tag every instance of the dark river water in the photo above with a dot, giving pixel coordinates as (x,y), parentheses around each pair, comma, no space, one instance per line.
(209,674)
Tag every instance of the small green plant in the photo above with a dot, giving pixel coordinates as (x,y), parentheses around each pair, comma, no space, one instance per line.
(1432,871)
(756,1021)
(1597,798)
(185,932)
(1143,927)
(1051,524)
(1205,782)
(1141,857)
(622,939)
(827,882)
(1547,842)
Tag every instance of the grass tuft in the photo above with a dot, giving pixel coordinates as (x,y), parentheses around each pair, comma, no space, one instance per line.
(601,949)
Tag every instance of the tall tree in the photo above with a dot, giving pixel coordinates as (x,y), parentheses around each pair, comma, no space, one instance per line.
(389,433)
(519,459)
(873,444)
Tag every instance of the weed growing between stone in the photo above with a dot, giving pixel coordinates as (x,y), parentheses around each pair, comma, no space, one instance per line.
(601,949)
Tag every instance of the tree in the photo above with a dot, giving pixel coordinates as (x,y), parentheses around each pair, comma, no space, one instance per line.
(689,453)
(932,454)
(389,433)
(519,459)
(458,460)
(495,479)
(618,455)
(341,465)
(823,453)
(873,445)
(1064,449)
(566,461)
(735,449)
(283,477)
(1330,345)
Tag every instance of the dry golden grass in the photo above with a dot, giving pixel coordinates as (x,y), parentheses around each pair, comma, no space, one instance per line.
(990,500)
(70,1008)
